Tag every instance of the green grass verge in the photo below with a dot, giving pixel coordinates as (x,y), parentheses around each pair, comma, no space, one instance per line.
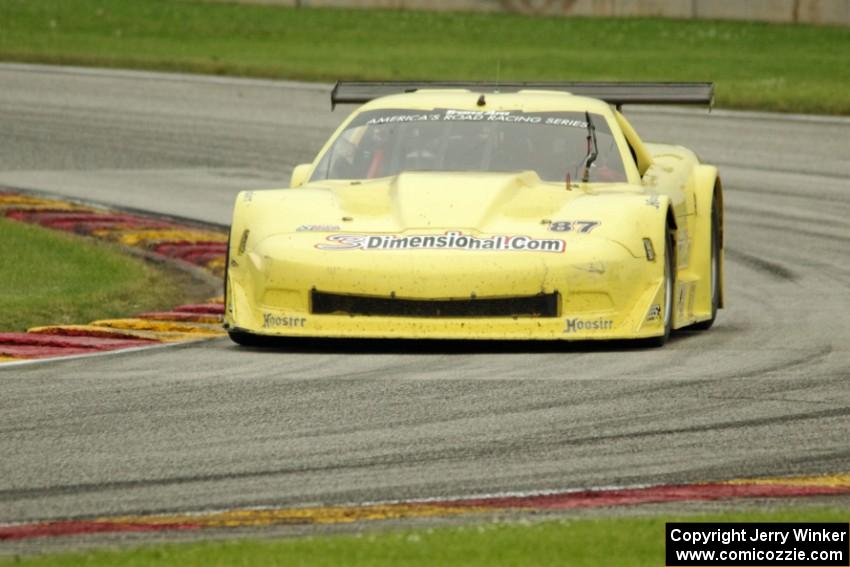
(626,542)
(755,65)
(50,277)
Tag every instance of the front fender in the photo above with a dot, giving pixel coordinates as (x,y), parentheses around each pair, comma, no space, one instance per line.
(238,243)
(639,218)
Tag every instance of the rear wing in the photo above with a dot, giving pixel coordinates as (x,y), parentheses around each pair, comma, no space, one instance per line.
(618,94)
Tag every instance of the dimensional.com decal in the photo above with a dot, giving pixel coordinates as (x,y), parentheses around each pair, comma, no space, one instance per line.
(448,241)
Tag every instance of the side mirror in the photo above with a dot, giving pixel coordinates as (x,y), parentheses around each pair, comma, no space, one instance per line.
(300,174)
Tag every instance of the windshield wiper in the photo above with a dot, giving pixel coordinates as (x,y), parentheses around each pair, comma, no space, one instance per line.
(592,148)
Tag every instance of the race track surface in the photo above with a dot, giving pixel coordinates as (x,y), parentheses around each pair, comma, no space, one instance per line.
(211,425)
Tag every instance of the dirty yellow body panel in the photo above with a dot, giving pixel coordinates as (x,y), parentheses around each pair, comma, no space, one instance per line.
(556,263)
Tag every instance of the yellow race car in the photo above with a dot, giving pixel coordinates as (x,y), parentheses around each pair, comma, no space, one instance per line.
(484,211)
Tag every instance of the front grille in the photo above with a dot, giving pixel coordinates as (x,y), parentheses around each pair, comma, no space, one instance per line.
(541,305)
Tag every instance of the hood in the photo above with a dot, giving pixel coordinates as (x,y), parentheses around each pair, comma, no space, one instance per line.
(480,202)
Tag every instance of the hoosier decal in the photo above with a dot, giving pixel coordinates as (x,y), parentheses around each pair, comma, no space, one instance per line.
(448,241)
(575,325)
(272,320)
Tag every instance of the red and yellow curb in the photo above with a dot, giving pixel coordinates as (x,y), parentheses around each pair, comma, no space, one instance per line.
(840,480)
(780,487)
(167,239)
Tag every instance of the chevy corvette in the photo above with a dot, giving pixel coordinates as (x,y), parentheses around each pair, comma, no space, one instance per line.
(484,211)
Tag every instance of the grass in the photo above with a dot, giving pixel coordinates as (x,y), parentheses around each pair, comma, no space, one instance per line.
(625,542)
(49,277)
(795,68)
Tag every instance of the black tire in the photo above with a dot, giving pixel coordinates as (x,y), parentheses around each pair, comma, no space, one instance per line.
(669,299)
(715,272)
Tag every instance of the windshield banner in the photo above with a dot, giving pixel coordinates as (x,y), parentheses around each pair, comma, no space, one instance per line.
(408,116)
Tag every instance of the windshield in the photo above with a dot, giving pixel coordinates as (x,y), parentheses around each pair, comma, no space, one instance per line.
(386,142)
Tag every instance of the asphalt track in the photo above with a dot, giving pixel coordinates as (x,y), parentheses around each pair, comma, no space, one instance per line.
(212,426)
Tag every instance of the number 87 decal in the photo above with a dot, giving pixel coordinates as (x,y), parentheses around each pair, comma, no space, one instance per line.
(582,227)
